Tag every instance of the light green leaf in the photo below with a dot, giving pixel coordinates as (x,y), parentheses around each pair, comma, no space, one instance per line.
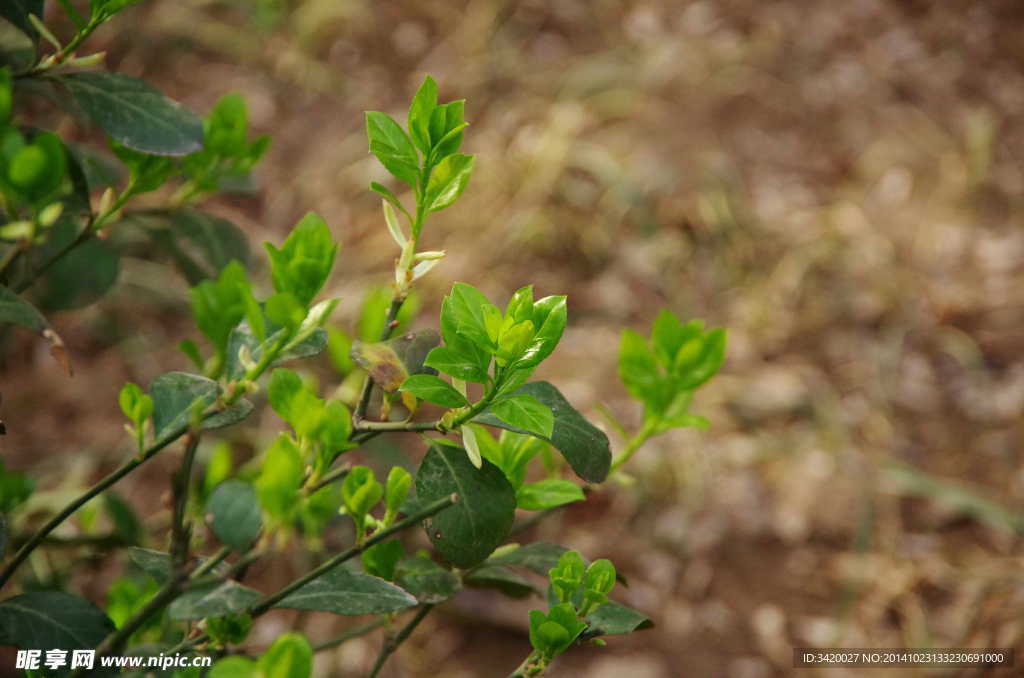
(305,259)
(432,389)
(392,146)
(289,657)
(234,667)
(423,104)
(447,181)
(526,413)
(547,494)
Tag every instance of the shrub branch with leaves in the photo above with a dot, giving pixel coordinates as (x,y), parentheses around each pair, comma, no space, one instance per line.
(474,476)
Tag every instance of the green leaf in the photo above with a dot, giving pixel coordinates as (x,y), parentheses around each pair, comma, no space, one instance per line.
(385,193)
(126,523)
(277,486)
(15,488)
(447,181)
(157,564)
(219,305)
(466,533)
(539,557)
(80,277)
(243,336)
(525,413)
(432,389)
(392,146)
(341,591)
(305,259)
(446,123)
(503,579)
(44,620)
(17,311)
(426,580)
(135,114)
(549,317)
(462,315)
(381,560)
(698,370)
(614,618)
(215,600)
(284,310)
(423,104)
(235,514)
(396,491)
(174,395)
(108,8)
(234,667)
(447,360)
(551,634)
(289,657)
(17,49)
(17,11)
(547,494)
(583,445)
(200,244)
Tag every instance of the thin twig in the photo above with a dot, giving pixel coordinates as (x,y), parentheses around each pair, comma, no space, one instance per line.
(364,397)
(350,634)
(392,644)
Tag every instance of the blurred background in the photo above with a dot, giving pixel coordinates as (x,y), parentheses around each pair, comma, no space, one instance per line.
(838,184)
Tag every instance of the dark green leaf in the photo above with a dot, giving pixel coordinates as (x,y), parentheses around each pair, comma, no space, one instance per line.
(232,415)
(44,620)
(157,564)
(614,618)
(201,244)
(235,515)
(135,114)
(392,146)
(547,494)
(126,523)
(3,535)
(216,600)
(583,445)
(426,580)
(17,311)
(79,277)
(341,591)
(524,413)
(173,396)
(243,335)
(539,557)
(434,390)
(17,11)
(503,579)
(17,49)
(447,181)
(466,533)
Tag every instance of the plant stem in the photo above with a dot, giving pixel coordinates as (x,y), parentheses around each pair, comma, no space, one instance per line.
(271,600)
(533,665)
(180,532)
(81,500)
(59,57)
(634,444)
(392,644)
(364,397)
(350,634)
(336,474)
(395,426)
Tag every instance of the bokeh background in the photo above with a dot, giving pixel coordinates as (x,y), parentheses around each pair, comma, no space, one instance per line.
(838,184)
